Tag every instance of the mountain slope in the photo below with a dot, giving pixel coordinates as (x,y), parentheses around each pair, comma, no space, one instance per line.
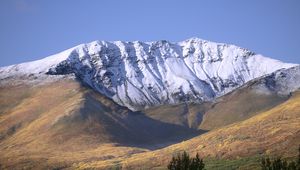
(139,75)
(274,132)
(254,97)
(55,124)
(239,105)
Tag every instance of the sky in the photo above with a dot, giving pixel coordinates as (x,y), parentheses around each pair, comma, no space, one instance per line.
(33,29)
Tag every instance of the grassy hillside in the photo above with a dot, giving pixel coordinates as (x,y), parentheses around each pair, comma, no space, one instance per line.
(54,125)
(67,125)
(240,145)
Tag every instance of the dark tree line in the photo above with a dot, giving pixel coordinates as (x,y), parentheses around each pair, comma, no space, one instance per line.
(185,162)
(279,164)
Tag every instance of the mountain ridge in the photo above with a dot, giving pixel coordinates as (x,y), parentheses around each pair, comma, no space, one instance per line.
(140,75)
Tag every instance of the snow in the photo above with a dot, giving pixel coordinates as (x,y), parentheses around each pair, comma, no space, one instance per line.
(281,82)
(36,67)
(144,74)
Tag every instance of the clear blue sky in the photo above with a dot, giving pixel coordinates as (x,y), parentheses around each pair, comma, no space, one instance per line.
(32,29)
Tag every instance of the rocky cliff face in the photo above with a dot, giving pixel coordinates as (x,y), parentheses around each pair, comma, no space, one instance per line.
(144,74)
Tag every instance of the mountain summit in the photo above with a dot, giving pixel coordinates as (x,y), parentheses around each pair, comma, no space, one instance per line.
(139,75)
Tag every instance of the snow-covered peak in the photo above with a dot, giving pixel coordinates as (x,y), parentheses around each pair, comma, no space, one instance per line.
(143,74)
(194,39)
(37,67)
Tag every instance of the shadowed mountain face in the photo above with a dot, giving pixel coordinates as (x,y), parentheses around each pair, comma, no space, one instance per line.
(237,106)
(108,122)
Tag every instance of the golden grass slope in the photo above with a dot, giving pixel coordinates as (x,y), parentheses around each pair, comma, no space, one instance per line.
(273,132)
(63,123)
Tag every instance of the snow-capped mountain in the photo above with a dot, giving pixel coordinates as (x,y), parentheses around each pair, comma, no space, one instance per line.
(144,74)
(280,82)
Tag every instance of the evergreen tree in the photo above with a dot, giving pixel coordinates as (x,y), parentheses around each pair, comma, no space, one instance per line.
(185,162)
(292,166)
(172,164)
(263,164)
(197,163)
